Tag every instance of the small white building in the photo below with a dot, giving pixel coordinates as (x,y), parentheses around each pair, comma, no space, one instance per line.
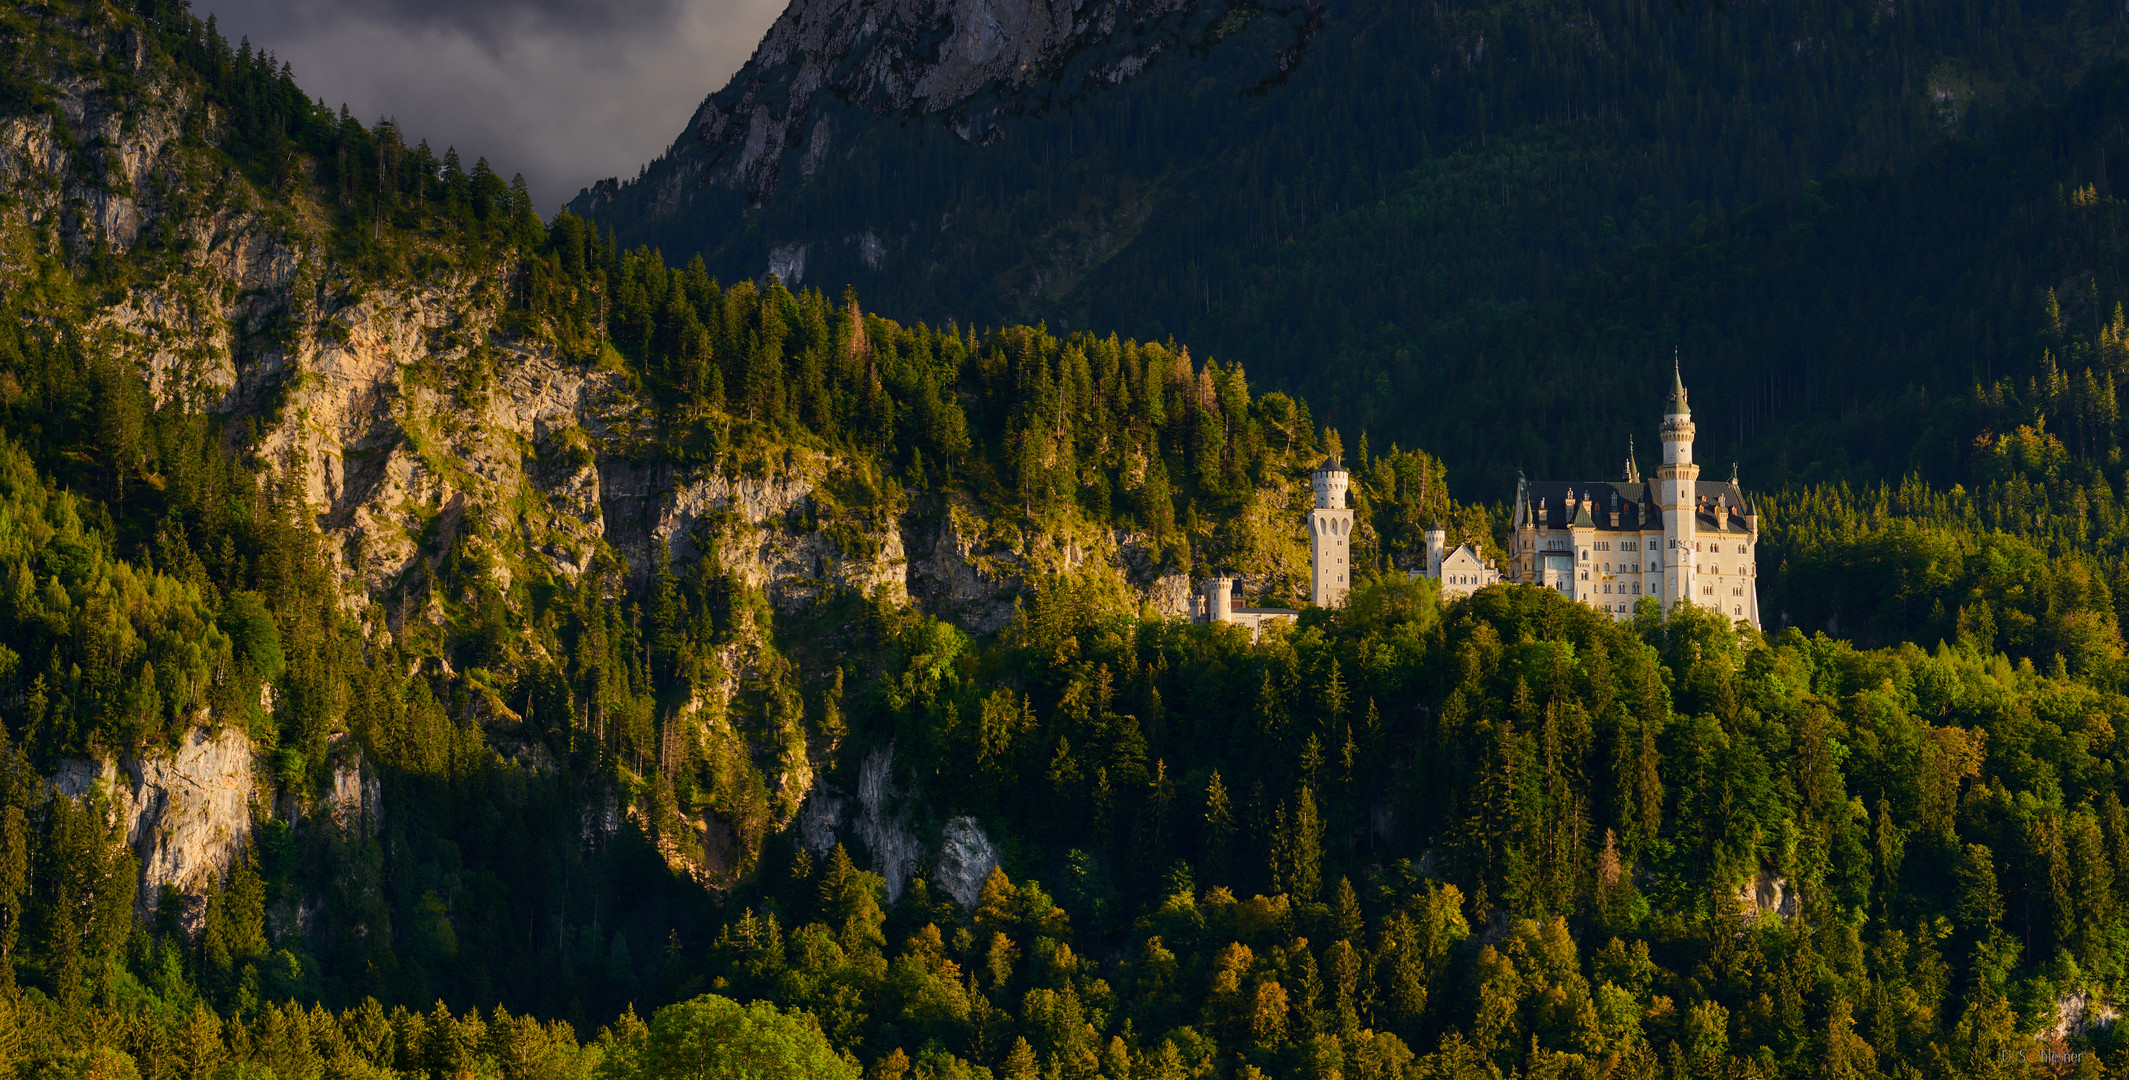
(1461,572)
(1217,605)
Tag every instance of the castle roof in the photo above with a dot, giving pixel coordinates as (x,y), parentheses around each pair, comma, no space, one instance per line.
(1334,463)
(1467,550)
(1618,505)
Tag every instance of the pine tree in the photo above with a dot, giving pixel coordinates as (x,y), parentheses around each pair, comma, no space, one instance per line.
(1297,848)
(1334,696)
(1218,837)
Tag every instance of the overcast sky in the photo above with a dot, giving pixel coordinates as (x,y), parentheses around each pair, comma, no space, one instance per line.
(564,91)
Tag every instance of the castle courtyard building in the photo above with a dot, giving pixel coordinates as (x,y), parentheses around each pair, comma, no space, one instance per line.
(1676,537)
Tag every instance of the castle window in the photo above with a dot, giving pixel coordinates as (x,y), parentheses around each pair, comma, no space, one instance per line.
(1585,554)
(1739,610)
(1707,590)
(1737,592)
(1637,587)
(1741,549)
(1602,546)
(1607,588)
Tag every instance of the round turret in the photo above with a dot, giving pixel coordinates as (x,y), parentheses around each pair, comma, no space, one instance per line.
(1219,599)
(1331,481)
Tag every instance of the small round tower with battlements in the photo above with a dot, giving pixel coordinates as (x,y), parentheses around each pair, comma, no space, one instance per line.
(1330,537)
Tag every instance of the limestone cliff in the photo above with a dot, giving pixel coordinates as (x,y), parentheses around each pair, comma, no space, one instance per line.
(410,418)
(186,813)
(974,64)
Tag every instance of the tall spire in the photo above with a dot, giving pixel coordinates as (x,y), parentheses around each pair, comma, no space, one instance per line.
(1678,402)
(1633,473)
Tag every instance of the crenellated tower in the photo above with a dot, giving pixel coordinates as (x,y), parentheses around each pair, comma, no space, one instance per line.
(1677,493)
(1330,537)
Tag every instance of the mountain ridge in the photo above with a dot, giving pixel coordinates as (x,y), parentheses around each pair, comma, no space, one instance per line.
(577,632)
(976,61)
(1496,150)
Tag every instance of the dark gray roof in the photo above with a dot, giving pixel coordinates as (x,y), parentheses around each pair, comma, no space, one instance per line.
(1620,506)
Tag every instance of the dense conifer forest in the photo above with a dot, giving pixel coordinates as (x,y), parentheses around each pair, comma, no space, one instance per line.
(1511,211)
(1500,836)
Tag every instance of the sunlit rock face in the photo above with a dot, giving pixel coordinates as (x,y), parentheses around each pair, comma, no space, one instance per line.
(886,57)
(803,100)
(966,859)
(185,812)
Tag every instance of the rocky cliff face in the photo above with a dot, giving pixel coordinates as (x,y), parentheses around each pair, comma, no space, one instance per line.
(186,813)
(974,63)
(407,417)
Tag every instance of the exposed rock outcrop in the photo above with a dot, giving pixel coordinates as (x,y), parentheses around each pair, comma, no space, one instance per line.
(977,62)
(354,800)
(1768,894)
(966,859)
(880,821)
(415,424)
(883,822)
(186,814)
(2077,1015)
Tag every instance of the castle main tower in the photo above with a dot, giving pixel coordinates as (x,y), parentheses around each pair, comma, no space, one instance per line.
(1677,488)
(1330,537)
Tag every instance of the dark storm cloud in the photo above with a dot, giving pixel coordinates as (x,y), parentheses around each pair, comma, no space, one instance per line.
(564,91)
(478,18)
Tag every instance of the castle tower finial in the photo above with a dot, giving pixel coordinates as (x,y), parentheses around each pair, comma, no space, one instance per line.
(1678,401)
(1633,472)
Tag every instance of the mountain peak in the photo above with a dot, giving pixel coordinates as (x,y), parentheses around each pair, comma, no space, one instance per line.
(974,62)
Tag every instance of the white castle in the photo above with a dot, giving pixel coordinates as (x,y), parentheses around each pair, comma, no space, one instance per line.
(1679,539)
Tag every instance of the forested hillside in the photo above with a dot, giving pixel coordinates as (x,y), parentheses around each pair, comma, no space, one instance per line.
(608,670)
(1386,227)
